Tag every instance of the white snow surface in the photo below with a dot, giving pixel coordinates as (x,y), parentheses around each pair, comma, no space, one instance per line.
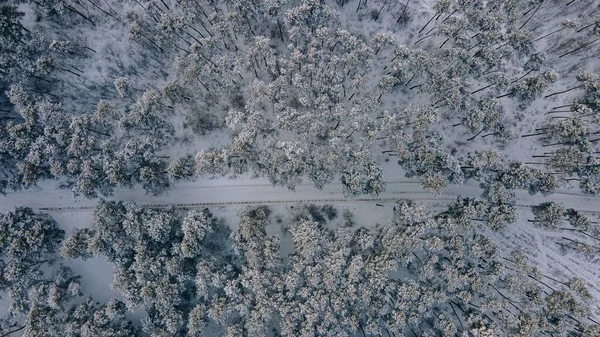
(219,191)
(225,197)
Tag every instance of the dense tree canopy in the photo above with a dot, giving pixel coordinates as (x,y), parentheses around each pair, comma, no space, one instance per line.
(296,90)
(150,94)
(417,274)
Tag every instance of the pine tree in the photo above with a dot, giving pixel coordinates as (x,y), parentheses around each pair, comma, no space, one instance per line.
(160,258)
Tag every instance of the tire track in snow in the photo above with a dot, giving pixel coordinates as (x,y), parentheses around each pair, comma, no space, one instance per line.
(265,202)
(207,193)
(272,202)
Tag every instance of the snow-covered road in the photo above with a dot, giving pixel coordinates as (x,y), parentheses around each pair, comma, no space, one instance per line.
(222,191)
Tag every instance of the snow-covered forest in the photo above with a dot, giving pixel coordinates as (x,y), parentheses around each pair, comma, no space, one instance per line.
(353,168)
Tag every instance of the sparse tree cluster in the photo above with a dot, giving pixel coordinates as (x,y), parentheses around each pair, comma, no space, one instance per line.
(571,141)
(164,261)
(42,302)
(490,167)
(581,232)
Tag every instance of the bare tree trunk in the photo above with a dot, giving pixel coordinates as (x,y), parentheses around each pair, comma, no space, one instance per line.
(477,134)
(562,92)
(403,11)
(538,7)
(427,24)
(556,31)
(577,49)
(13,331)
(80,14)
(478,90)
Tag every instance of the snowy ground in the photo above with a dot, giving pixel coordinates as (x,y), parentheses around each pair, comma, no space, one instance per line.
(226,197)
(219,191)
